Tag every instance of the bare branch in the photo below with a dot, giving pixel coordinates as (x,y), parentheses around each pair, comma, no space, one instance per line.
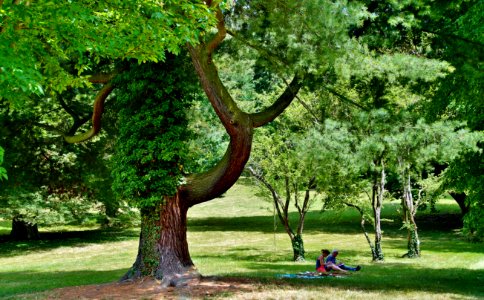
(261,178)
(98,109)
(220,35)
(271,112)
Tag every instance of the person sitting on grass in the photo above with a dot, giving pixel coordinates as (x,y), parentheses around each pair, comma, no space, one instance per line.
(320,264)
(331,264)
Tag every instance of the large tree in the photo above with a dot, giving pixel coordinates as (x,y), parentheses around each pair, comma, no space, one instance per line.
(100,32)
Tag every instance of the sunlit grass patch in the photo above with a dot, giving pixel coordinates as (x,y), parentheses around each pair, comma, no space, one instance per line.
(5,226)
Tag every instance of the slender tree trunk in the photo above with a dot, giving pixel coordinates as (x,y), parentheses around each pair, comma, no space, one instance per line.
(23,230)
(377,202)
(298,248)
(282,209)
(409,211)
(362,225)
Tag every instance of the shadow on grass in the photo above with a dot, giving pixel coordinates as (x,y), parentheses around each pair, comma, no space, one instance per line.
(265,224)
(284,258)
(52,240)
(431,241)
(381,278)
(15,283)
(322,223)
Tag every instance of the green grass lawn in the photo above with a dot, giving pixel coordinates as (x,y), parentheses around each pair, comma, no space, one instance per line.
(236,236)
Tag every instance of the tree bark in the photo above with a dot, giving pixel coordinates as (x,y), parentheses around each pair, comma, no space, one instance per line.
(377,202)
(163,247)
(409,211)
(23,230)
(298,248)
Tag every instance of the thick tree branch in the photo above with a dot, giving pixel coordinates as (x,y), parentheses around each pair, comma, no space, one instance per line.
(238,124)
(220,35)
(208,185)
(271,112)
(221,100)
(102,77)
(98,109)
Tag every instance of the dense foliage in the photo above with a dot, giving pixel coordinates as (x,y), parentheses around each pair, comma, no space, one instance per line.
(46,45)
(151,147)
(49,180)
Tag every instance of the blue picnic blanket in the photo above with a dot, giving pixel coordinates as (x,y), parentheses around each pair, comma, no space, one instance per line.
(309,275)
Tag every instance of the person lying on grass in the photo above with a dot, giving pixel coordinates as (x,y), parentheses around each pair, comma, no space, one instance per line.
(332,264)
(321,266)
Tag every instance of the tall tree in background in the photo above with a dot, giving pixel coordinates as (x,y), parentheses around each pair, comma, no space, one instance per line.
(451,31)
(458,27)
(275,164)
(415,145)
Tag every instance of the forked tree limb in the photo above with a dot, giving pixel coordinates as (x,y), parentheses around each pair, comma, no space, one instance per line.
(238,124)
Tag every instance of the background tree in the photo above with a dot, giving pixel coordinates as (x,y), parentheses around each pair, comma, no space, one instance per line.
(458,28)
(275,164)
(330,150)
(451,31)
(415,146)
(52,182)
